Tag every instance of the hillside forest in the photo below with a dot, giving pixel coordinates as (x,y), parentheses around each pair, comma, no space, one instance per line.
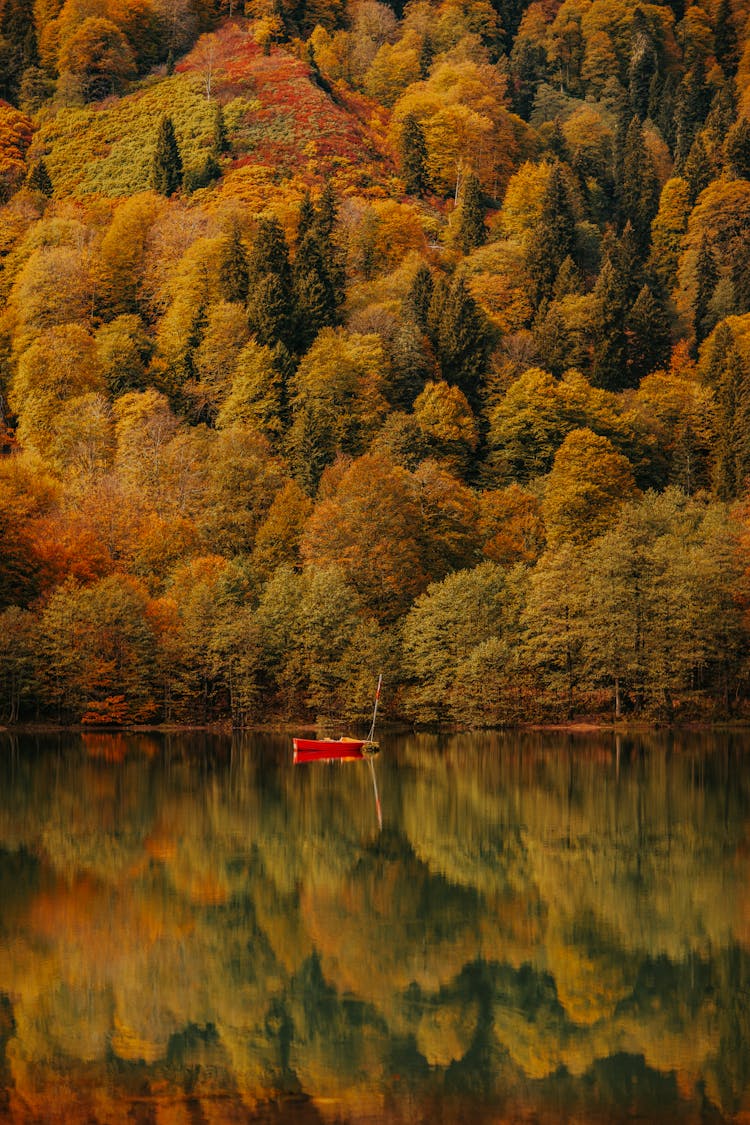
(342,336)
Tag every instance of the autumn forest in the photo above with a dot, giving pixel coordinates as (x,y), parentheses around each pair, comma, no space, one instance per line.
(345,336)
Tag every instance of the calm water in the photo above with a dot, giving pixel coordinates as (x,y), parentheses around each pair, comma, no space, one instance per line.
(543,929)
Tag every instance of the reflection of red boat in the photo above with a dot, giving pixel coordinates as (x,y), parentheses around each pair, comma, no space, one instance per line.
(338,749)
(332,749)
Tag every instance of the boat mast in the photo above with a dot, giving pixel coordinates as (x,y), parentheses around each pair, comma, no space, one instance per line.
(375,712)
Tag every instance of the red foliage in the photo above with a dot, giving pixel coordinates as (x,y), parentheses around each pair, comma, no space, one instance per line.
(298,127)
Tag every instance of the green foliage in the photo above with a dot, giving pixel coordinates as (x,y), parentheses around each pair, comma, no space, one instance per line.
(166,164)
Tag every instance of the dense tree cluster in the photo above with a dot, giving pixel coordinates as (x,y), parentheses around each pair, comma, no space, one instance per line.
(276,399)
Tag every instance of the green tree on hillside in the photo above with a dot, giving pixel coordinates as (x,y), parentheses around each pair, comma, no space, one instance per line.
(166,165)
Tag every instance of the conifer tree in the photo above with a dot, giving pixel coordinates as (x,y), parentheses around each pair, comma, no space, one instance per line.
(166,167)
(315,297)
(639,187)
(737,149)
(413,156)
(707,275)
(643,65)
(609,359)
(471,229)
(698,169)
(325,213)
(463,341)
(220,138)
(39,179)
(732,465)
(306,217)
(725,39)
(233,268)
(18,50)
(426,55)
(553,238)
(271,304)
(419,297)
(648,337)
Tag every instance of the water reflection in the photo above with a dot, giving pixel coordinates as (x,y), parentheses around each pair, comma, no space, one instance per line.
(540,928)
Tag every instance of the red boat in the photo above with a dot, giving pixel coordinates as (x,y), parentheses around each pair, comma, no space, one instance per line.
(338,749)
(333,749)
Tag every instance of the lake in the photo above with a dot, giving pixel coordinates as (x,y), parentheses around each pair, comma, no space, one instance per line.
(496,927)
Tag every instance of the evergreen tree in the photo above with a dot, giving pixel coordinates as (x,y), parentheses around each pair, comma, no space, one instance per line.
(643,65)
(662,107)
(732,465)
(698,169)
(527,62)
(707,276)
(413,156)
(166,167)
(39,179)
(426,55)
(326,213)
(18,49)
(220,137)
(471,229)
(233,268)
(419,297)
(692,104)
(648,337)
(627,263)
(725,39)
(463,342)
(609,358)
(269,313)
(740,274)
(315,297)
(271,300)
(639,187)
(306,217)
(553,238)
(737,149)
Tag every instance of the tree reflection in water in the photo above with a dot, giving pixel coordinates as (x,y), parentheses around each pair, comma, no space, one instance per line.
(546,927)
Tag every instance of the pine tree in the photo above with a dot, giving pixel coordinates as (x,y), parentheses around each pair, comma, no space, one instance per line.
(419,297)
(725,39)
(17,46)
(413,156)
(315,298)
(39,179)
(269,313)
(707,275)
(471,229)
(271,298)
(220,138)
(740,274)
(648,337)
(732,465)
(639,187)
(326,213)
(553,238)
(426,55)
(166,167)
(643,65)
(233,268)
(609,359)
(698,169)
(737,149)
(306,217)
(627,262)
(463,342)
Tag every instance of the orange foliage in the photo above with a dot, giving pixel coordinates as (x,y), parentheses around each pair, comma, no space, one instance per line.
(16,132)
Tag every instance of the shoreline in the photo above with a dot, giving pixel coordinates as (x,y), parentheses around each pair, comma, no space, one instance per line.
(573,726)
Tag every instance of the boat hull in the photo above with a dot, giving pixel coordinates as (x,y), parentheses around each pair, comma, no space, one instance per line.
(331,749)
